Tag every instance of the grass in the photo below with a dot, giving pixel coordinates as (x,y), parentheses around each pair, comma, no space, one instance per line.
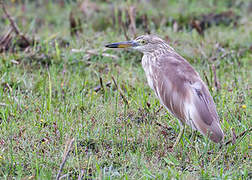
(48,98)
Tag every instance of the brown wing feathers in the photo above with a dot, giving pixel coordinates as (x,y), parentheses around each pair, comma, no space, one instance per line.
(205,114)
(186,96)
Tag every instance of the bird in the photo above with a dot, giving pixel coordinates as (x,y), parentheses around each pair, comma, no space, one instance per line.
(177,85)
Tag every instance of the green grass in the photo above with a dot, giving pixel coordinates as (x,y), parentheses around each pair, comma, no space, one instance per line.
(49,98)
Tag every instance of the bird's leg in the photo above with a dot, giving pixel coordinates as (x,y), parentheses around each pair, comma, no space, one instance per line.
(179,137)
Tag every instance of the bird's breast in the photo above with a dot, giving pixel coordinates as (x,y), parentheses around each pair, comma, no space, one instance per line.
(147,66)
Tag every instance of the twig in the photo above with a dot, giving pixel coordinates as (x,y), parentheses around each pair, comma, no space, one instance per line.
(98,88)
(101,83)
(6,36)
(93,52)
(77,50)
(122,24)
(216,81)
(13,24)
(240,135)
(207,81)
(125,31)
(5,40)
(121,94)
(65,155)
(110,56)
(114,82)
(132,16)
(145,24)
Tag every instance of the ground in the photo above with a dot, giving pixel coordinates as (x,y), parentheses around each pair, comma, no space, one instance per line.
(66,87)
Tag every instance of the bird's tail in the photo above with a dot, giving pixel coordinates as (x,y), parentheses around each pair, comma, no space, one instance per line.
(212,129)
(203,113)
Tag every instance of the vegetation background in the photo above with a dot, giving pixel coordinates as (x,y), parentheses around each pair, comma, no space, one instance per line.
(71,109)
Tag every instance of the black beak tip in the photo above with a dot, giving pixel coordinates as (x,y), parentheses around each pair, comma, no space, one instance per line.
(111,45)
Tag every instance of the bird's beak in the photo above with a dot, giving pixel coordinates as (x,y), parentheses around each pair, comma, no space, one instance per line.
(125,44)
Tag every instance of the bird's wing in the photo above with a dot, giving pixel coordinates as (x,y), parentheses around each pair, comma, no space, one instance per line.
(202,111)
(182,91)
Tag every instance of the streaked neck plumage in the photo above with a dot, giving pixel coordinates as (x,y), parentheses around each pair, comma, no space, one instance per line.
(162,48)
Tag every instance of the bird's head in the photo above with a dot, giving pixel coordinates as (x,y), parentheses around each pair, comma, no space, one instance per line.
(144,44)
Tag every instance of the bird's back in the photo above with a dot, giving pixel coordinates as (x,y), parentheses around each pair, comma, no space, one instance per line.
(181,90)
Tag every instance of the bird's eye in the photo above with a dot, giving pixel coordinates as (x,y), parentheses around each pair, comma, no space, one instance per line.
(143,42)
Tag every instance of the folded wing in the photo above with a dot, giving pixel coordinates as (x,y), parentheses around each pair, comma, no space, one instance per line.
(186,96)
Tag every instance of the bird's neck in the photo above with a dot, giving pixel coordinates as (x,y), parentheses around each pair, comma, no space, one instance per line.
(160,50)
